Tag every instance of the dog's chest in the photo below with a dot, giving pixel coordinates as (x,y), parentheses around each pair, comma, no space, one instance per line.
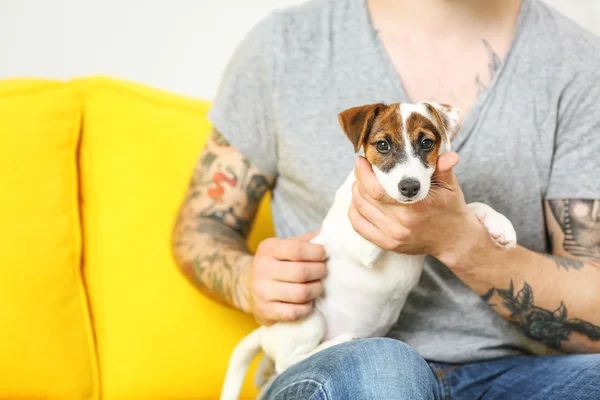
(366,302)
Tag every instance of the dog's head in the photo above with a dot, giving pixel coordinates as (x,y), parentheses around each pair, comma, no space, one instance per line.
(402,142)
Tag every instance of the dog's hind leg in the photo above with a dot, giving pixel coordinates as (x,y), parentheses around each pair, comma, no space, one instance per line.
(266,369)
(339,339)
(288,342)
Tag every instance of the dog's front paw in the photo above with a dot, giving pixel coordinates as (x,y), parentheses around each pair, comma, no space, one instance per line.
(500,228)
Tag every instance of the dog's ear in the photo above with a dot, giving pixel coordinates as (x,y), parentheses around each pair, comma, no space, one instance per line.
(447,119)
(357,122)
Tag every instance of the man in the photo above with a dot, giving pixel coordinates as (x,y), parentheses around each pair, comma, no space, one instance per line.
(482,321)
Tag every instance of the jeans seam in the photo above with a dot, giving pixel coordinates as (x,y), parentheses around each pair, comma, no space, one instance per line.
(441,376)
(323,391)
(319,384)
(446,386)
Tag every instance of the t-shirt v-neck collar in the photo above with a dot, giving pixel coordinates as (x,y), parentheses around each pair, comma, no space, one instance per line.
(478,109)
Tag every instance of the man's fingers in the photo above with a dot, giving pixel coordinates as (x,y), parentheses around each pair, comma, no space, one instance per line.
(296,250)
(307,237)
(368,231)
(447,161)
(300,272)
(379,214)
(443,171)
(280,311)
(294,293)
(364,173)
(369,211)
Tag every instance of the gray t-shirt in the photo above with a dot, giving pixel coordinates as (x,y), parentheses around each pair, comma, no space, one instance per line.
(533,135)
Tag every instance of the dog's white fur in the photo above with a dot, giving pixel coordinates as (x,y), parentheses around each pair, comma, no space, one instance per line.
(366,287)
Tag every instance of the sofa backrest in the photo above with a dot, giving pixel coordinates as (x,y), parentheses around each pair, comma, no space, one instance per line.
(96,305)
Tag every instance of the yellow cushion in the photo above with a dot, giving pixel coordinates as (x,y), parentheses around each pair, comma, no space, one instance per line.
(158,337)
(46,344)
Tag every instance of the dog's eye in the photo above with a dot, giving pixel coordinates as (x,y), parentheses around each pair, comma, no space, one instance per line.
(427,144)
(383,146)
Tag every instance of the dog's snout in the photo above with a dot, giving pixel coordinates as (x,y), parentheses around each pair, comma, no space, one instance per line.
(409,187)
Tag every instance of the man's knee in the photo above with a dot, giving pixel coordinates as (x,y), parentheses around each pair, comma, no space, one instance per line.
(371,358)
(369,368)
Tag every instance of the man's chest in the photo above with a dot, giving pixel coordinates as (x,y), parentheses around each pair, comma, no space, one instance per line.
(445,71)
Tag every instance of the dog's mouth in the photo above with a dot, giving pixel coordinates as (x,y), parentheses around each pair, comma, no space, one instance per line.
(412,200)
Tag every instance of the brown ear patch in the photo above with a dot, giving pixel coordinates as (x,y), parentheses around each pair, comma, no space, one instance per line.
(357,122)
(447,118)
(441,119)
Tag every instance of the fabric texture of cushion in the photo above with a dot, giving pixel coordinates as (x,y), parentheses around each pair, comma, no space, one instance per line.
(157,336)
(46,340)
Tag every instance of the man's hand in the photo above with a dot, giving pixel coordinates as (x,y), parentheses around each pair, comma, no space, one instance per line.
(285,278)
(441,225)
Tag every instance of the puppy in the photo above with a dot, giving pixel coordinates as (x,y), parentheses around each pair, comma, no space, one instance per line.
(366,287)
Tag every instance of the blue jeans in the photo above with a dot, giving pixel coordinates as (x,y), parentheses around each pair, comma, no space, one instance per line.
(382,368)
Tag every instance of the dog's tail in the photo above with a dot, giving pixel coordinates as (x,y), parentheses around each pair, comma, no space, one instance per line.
(243,354)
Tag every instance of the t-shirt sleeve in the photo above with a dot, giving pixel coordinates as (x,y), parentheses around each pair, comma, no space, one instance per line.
(575,172)
(243,110)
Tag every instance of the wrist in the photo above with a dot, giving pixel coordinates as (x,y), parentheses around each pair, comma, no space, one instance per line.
(472,238)
(242,293)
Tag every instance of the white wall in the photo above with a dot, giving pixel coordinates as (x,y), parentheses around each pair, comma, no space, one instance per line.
(177,45)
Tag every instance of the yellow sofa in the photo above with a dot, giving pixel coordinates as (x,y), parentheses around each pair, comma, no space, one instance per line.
(92,305)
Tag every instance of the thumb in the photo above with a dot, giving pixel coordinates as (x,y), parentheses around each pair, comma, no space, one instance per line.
(307,237)
(443,171)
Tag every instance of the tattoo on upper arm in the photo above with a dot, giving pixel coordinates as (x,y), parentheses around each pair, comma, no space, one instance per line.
(215,180)
(226,217)
(550,327)
(219,138)
(494,64)
(219,272)
(579,221)
(256,188)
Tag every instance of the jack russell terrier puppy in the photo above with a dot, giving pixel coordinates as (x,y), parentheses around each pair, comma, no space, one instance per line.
(366,287)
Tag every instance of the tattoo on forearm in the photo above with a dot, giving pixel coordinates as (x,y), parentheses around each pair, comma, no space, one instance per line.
(565,262)
(219,272)
(550,327)
(217,256)
(494,64)
(579,221)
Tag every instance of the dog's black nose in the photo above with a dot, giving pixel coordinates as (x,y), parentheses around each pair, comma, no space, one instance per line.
(409,187)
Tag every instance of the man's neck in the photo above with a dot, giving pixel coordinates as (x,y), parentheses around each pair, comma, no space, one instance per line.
(443,17)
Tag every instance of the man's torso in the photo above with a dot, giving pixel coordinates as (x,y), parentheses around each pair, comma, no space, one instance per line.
(329,59)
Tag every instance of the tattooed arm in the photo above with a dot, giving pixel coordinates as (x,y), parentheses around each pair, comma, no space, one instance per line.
(279,282)
(209,238)
(574,232)
(553,299)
